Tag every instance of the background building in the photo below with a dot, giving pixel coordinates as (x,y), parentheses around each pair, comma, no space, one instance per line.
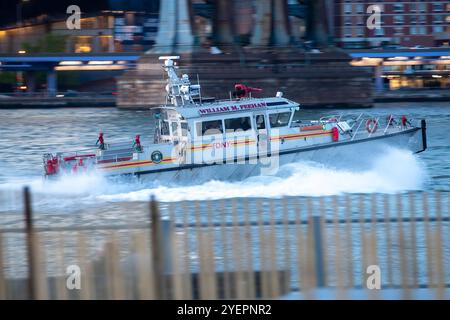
(106,26)
(118,26)
(403,23)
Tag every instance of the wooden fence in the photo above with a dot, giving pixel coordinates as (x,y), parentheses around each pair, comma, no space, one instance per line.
(237,249)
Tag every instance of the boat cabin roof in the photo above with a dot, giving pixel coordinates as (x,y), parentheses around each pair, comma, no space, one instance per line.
(227,107)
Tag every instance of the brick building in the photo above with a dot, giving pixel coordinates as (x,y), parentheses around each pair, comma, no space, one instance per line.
(403,23)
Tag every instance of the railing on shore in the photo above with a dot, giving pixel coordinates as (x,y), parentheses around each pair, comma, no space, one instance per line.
(63,94)
(237,249)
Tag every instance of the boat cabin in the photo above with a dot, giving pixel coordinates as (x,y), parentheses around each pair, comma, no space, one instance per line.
(239,126)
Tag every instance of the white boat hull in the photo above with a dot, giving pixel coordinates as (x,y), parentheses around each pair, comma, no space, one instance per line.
(339,154)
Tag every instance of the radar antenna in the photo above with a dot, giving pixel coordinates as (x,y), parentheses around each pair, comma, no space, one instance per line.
(180,91)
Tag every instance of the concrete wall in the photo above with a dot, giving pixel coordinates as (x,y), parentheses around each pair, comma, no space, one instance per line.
(315,80)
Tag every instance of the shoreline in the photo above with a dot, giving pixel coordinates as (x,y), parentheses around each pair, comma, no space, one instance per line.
(59,103)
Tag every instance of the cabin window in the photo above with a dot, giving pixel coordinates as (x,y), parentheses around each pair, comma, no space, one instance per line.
(297,118)
(175,128)
(165,128)
(279,119)
(184,129)
(237,124)
(260,123)
(207,128)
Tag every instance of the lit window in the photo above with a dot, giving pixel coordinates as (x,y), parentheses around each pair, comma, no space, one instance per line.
(83,49)
(83,44)
(422,7)
(360,31)
(399,19)
(438,19)
(379,32)
(399,7)
(348,20)
(347,32)
(360,20)
(438,7)
(348,8)
(398,30)
(360,8)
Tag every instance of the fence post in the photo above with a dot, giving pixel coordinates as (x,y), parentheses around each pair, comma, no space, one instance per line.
(3,289)
(165,244)
(318,249)
(156,250)
(30,246)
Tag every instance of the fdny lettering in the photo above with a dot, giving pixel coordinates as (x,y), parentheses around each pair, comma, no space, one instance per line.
(232,108)
(219,145)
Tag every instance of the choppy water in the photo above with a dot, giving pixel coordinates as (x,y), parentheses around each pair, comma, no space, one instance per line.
(26,134)
(92,200)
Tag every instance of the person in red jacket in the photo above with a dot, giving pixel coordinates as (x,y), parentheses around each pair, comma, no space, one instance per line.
(100,141)
(405,121)
(137,143)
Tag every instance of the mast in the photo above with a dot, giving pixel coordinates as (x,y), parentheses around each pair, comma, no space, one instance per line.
(180,91)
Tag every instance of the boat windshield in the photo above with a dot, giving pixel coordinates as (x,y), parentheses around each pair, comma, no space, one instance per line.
(279,119)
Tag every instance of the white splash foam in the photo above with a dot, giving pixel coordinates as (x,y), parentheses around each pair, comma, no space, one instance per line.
(73,185)
(395,171)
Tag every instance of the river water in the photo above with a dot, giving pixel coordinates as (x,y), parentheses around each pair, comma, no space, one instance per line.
(25,135)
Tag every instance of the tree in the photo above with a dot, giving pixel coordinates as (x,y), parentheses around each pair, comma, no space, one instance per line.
(50,43)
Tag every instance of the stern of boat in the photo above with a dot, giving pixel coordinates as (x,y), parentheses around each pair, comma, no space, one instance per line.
(421,137)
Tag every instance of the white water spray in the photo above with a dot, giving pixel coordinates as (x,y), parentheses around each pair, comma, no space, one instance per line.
(395,171)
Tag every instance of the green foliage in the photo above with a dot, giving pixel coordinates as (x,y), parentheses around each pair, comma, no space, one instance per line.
(68,79)
(7,77)
(50,43)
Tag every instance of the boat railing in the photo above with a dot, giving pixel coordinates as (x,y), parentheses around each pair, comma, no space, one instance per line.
(329,118)
(376,122)
(78,153)
(230,98)
(117,157)
(119,145)
(94,149)
(357,129)
(343,117)
(360,119)
(387,127)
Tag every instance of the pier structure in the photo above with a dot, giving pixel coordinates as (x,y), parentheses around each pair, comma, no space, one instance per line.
(256,23)
(257,42)
(175,29)
(28,64)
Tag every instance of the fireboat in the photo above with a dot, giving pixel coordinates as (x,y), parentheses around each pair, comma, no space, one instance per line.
(202,139)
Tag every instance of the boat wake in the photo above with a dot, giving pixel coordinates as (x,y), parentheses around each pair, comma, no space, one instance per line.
(394,171)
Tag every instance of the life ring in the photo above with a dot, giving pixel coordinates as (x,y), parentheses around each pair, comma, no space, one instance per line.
(371,125)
